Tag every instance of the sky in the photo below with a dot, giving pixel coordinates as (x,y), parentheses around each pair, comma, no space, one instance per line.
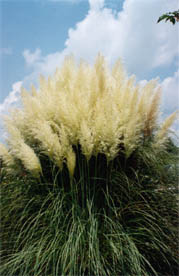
(36,35)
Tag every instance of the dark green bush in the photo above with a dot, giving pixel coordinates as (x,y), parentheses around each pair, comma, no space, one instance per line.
(116,218)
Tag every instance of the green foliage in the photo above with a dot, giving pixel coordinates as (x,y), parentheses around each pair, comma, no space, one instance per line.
(170,16)
(113,218)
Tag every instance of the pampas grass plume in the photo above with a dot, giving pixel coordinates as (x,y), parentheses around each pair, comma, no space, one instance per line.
(91,106)
(6,156)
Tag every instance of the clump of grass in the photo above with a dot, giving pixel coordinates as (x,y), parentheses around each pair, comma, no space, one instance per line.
(89,178)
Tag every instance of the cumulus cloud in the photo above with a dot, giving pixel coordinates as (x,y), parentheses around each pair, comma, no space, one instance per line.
(131,34)
(12,98)
(30,57)
(96,4)
(170,101)
(170,89)
(10,101)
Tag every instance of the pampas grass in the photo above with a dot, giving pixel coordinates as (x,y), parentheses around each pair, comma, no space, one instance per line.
(83,190)
(90,106)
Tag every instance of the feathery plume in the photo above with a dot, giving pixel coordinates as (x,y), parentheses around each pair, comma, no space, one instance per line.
(89,106)
(161,135)
(71,161)
(29,159)
(152,114)
(6,156)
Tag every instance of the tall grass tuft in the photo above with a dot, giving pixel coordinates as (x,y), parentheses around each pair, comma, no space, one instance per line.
(89,178)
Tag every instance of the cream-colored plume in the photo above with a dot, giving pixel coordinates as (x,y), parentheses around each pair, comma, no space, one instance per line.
(161,134)
(6,156)
(93,106)
(71,161)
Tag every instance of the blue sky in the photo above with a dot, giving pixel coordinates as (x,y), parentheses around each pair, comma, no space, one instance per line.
(36,35)
(28,24)
(31,25)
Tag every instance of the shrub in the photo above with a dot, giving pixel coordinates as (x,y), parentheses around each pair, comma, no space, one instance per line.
(88,177)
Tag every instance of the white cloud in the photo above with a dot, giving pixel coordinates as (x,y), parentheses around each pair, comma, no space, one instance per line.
(170,102)
(170,97)
(96,4)
(131,34)
(30,57)
(12,98)
(10,101)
